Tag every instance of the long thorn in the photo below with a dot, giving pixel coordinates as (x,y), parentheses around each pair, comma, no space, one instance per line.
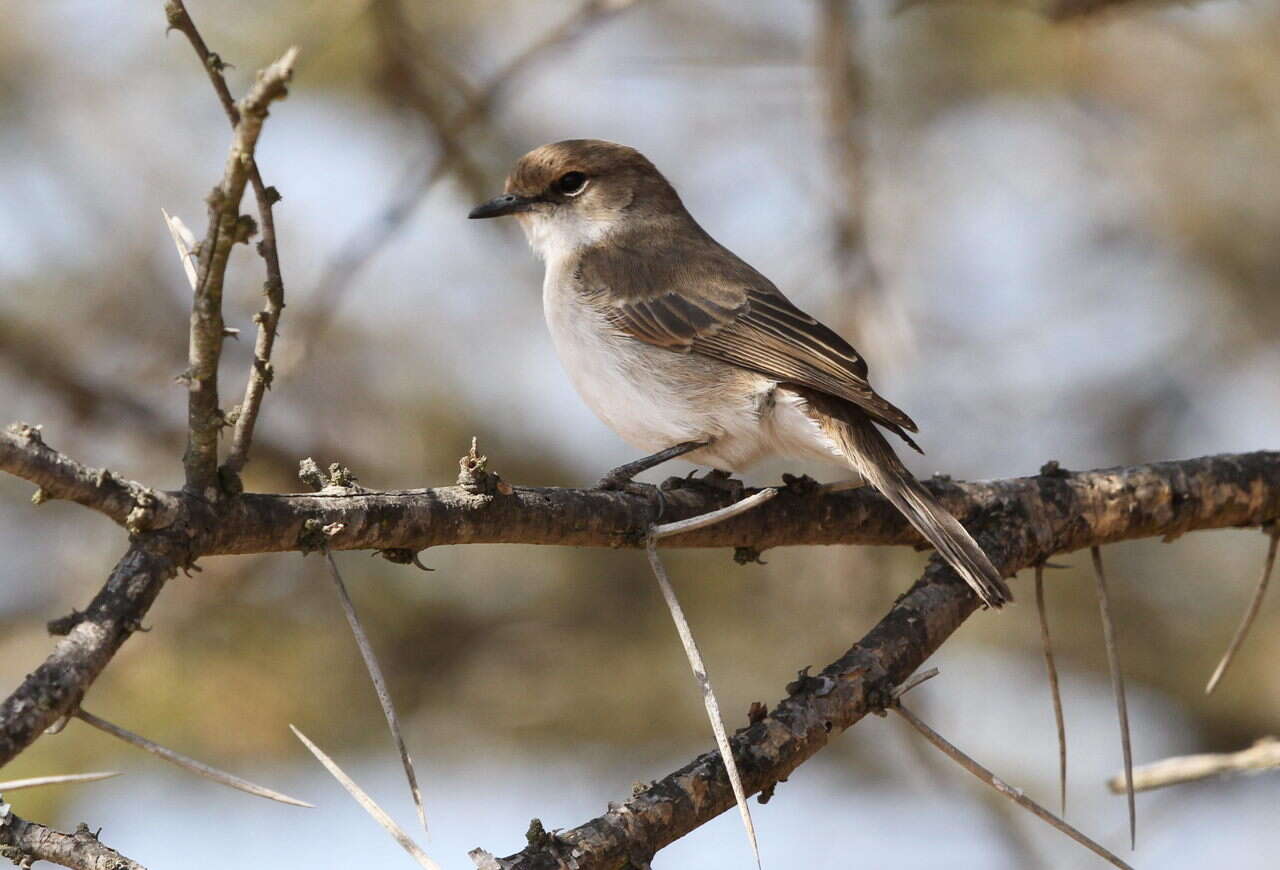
(369,804)
(1117,685)
(1003,788)
(1250,614)
(704,683)
(701,521)
(196,767)
(60,779)
(379,685)
(1054,689)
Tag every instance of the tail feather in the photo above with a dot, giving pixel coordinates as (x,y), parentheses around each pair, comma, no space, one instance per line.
(873,458)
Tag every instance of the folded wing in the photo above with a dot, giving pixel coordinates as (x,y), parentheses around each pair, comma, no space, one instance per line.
(697,297)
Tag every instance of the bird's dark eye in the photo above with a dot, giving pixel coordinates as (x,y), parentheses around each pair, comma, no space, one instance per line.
(571,183)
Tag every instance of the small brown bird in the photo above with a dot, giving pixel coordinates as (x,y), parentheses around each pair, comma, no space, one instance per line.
(682,348)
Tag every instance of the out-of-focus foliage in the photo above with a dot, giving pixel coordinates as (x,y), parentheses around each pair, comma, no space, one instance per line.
(1074,231)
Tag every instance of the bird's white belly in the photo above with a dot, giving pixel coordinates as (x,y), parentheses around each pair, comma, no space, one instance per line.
(655,398)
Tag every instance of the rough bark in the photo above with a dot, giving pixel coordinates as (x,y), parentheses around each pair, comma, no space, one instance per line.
(90,639)
(1068,510)
(25,842)
(1038,517)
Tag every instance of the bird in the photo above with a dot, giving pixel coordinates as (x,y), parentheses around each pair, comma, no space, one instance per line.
(682,348)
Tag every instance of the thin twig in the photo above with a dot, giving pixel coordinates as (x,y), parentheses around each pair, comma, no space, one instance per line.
(1054,690)
(197,767)
(204,417)
(701,521)
(1014,794)
(708,695)
(1117,685)
(369,804)
(914,680)
(1264,754)
(268,319)
(379,684)
(58,779)
(1254,606)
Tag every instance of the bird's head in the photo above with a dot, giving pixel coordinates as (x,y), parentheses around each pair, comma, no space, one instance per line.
(572,194)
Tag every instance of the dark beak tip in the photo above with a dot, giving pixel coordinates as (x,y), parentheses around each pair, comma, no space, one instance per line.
(507,203)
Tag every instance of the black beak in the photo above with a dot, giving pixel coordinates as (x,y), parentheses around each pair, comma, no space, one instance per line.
(508,203)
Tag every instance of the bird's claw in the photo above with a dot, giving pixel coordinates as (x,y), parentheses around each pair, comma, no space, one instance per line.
(715,480)
(616,483)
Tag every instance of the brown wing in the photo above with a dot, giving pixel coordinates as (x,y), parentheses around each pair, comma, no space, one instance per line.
(695,296)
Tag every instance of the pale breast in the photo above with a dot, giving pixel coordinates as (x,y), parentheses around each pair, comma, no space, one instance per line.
(653,397)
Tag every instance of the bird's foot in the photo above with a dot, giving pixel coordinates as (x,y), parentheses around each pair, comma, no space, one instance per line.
(715,482)
(614,482)
(804,485)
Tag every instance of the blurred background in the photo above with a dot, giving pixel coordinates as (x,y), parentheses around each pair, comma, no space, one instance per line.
(1053,238)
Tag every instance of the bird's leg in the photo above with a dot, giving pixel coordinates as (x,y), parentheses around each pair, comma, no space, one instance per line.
(621,476)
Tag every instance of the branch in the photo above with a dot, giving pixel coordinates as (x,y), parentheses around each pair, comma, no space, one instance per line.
(268,319)
(24,454)
(55,688)
(1054,512)
(226,228)
(1038,517)
(25,842)
(1065,511)
(1262,755)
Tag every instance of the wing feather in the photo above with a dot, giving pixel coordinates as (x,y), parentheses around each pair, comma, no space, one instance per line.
(688,294)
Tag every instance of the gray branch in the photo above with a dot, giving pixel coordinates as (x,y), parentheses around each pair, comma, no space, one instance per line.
(268,319)
(226,227)
(25,842)
(1165,499)
(24,454)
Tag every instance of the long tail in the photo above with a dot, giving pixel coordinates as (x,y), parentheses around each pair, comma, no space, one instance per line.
(873,458)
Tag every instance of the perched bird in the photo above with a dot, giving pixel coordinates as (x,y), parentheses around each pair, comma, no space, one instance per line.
(682,348)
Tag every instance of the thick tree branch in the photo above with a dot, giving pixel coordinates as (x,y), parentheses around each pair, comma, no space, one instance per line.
(1067,511)
(1054,512)
(25,842)
(1165,499)
(55,688)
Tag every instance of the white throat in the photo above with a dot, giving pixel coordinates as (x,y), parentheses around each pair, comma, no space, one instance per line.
(558,233)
